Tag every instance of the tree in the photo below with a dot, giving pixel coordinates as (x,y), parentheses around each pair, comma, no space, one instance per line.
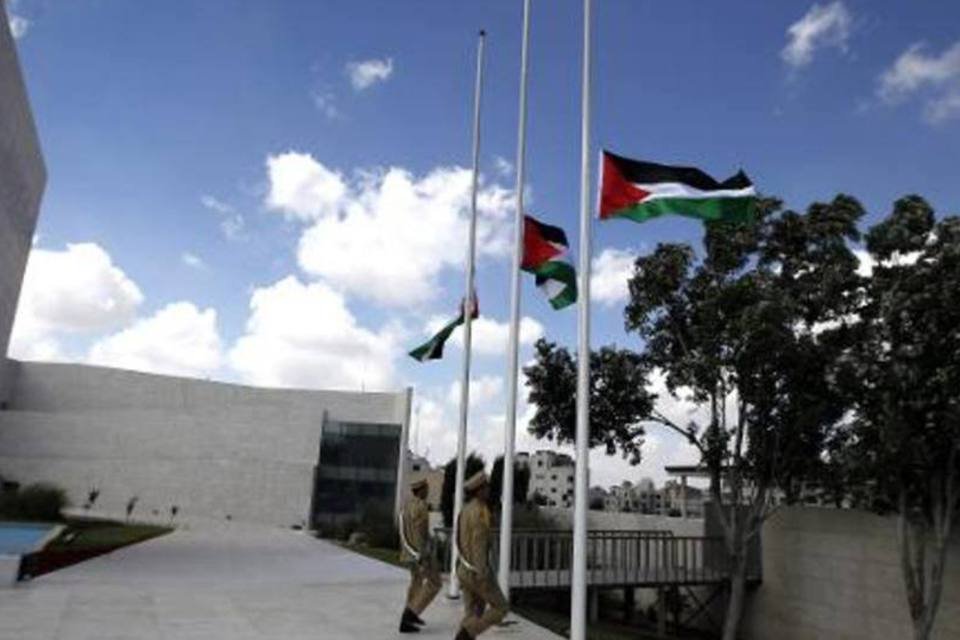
(748,333)
(619,399)
(474,464)
(905,370)
(521,483)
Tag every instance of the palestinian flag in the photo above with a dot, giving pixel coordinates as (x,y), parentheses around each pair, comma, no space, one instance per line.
(432,349)
(545,256)
(644,190)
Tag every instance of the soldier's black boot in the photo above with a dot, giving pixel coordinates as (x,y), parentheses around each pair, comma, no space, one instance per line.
(463,635)
(413,616)
(408,622)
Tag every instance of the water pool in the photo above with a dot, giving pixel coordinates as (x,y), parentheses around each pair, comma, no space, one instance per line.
(17,538)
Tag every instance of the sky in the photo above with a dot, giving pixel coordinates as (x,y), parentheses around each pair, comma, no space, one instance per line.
(277,193)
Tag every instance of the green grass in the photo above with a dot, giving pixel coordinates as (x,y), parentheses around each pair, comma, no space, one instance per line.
(85,534)
(390,556)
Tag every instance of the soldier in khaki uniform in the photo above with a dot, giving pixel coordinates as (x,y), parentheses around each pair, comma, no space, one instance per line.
(425,581)
(484,603)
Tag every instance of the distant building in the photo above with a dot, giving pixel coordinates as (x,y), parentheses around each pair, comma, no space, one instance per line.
(674,498)
(647,498)
(551,479)
(620,497)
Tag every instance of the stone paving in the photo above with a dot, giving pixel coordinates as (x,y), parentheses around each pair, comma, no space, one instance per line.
(226,583)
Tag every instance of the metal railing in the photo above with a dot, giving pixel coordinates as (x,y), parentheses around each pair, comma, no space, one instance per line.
(541,559)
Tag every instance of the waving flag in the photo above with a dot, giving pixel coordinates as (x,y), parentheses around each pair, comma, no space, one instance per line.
(643,190)
(432,349)
(545,250)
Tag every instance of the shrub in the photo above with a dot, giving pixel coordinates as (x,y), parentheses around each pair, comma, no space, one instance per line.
(376,521)
(530,517)
(40,502)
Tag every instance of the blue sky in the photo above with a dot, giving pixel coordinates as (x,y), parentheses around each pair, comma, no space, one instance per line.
(216,168)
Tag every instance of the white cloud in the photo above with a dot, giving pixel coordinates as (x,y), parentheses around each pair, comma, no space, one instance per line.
(179,339)
(915,71)
(303,335)
(232,225)
(503,166)
(214,204)
(483,389)
(435,427)
(44,349)
(609,274)
(366,73)
(18,26)
(866,262)
(78,290)
(302,188)
(822,26)
(326,103)
(489,337)
(385,235)
(193,261)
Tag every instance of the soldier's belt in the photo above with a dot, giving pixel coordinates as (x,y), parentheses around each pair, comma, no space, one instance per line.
(463,560)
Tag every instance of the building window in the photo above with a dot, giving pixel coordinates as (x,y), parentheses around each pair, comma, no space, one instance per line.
(357,469)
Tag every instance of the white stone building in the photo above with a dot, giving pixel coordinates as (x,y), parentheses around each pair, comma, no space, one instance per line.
(551,478)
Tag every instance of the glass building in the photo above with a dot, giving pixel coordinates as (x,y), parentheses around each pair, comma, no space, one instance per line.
(357,471)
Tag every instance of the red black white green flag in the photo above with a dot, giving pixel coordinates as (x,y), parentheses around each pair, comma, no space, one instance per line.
(545,255)
(644,190)
(432,349)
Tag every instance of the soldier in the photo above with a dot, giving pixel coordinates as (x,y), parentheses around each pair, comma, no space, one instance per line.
(484,603)
(417,546)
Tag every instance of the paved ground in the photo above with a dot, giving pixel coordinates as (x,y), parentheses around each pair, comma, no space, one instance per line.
(225,584)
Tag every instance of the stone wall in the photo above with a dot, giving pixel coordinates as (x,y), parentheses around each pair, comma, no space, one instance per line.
(835,574)
(22,180)
(214,450)
(620,521)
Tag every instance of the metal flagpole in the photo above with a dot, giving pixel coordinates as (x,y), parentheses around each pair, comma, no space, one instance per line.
(469,300)
(578,598)
(510,426)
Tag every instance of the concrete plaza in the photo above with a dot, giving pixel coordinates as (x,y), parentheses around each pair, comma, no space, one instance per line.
(226,583)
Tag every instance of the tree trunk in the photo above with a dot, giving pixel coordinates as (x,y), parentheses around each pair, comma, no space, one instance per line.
(923,559)
(738,594)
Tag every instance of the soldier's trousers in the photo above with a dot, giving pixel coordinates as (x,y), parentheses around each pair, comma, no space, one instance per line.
(425,583)
(483,602)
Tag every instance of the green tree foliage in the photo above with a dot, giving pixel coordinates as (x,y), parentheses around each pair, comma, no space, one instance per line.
(749,332)
(474,464)
(904,373)
(41,502)
(618,397)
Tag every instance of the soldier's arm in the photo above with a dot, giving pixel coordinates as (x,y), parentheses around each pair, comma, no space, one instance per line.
(481,542)
(419,524)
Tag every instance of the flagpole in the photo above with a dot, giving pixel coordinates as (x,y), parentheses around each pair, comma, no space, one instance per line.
(578,597)
(469,300)
(510,425)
